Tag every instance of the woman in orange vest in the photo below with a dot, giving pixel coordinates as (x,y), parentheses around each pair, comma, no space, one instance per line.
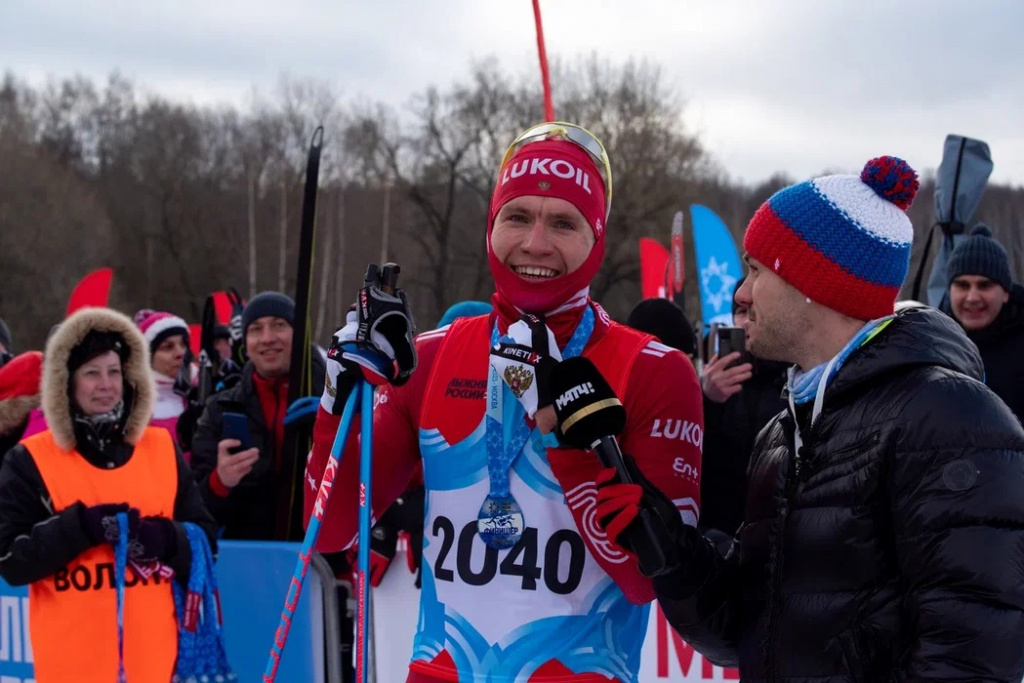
(60,492)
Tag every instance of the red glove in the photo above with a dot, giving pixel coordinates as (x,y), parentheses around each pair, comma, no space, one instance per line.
(682,555)
(617,504)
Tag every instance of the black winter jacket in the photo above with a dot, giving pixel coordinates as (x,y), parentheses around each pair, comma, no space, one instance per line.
(729,432)
(891,548)
(1002,351)
(250,510)
(35,542)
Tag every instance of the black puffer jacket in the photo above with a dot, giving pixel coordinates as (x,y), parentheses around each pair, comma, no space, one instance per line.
(892,548)
(1002,351)
(729,432)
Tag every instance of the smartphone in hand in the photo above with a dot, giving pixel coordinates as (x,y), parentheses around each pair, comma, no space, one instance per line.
(730,340)
(236,426)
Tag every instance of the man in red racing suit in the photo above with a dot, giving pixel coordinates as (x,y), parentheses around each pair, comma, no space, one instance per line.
(547,598)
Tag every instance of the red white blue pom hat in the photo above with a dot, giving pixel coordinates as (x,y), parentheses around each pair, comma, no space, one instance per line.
(843,241)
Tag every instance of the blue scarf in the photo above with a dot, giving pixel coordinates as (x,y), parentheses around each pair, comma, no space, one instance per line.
(201,651)
(803,386)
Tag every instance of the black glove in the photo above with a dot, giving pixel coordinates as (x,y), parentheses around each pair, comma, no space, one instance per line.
(156,540)
(386,323)
(383,545)
(405,514)
(100,522)
(376,343)
(691,559)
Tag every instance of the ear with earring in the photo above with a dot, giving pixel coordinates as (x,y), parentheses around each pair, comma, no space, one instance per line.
(807,299)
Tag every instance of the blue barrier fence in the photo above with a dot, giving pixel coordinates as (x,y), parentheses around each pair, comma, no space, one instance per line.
(253,578)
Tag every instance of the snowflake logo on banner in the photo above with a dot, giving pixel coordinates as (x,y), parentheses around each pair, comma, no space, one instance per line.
(722,294)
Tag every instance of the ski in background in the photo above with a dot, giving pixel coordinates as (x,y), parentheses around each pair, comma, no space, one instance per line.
(221,308)
(676,276)
(207,351)
(959,184)
(718,267)
(228,306)
(91,290)
(654,262)
(297,439)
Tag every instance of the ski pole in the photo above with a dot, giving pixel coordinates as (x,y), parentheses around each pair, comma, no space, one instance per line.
(365,514)
(312,531)
(388,282)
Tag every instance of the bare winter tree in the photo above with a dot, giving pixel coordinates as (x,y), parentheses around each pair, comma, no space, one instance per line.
(45,246)
(182,201)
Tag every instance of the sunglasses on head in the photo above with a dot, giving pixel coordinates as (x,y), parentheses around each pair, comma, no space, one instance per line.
(581,137)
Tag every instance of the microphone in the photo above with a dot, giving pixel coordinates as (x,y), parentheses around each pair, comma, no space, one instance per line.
(590,417)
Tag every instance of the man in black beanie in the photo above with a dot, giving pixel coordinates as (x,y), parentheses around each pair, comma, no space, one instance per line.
(240,481)
(990,307)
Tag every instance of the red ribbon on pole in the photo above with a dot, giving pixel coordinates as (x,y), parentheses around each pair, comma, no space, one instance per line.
(549,107)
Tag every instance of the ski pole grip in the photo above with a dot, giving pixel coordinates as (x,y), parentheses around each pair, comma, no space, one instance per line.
(389,277)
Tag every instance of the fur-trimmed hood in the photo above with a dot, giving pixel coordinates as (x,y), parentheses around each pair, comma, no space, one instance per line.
(55,400)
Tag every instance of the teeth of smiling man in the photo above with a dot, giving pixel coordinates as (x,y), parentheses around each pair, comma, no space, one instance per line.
(535,272)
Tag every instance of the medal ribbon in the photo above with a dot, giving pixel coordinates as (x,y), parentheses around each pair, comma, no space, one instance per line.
(506,429)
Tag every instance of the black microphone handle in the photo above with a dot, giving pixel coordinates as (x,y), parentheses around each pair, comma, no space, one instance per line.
(652,543)
(610,455)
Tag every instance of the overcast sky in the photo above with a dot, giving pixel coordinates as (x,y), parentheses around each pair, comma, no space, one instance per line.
(770,85)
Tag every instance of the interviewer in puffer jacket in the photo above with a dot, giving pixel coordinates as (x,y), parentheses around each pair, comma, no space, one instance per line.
(883,538)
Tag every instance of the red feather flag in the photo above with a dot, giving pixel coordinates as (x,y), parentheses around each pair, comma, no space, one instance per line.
(653,265)
(91,290)
(195,338)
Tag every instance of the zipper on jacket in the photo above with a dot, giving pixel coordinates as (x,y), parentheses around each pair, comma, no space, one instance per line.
(776,586)
(845,453)
(808,465)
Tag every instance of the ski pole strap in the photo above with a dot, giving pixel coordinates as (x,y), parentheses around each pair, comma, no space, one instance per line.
(120,568)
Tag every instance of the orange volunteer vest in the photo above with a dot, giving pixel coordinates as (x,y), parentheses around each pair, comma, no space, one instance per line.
(73,614)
